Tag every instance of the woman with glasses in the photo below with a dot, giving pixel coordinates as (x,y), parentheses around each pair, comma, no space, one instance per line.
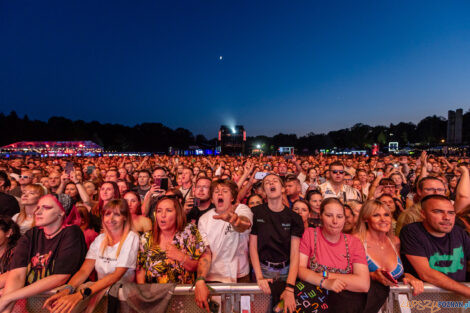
(170,252)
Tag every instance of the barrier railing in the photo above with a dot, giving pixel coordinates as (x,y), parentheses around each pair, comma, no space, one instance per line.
(432,300)
(249,298)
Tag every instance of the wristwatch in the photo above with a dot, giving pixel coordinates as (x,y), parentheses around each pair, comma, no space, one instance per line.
(85,293)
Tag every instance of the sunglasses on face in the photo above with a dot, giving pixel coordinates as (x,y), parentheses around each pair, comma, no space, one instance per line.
(24,176)
(338,172)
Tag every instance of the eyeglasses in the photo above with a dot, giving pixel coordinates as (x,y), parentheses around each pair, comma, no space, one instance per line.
(25,176)
(338,172)
(435,190)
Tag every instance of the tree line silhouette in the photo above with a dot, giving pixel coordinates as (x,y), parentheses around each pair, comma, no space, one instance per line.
(156,137)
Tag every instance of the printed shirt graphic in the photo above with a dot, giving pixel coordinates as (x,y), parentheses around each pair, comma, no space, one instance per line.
(448,254)
(63,254)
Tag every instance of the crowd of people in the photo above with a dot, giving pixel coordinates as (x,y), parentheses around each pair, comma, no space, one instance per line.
(353,226)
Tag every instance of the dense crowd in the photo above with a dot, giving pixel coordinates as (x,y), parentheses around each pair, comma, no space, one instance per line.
(352,225)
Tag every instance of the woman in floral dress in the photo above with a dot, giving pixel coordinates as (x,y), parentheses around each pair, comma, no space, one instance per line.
(170,252)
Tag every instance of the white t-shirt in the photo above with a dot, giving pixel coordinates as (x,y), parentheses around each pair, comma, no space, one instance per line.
(106,264)
(229,248)
(25,225)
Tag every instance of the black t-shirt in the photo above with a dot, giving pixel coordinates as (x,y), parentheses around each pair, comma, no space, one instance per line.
(141,192)
(63,254)
(195,213)
(448,254)
(8,205)
(274,231)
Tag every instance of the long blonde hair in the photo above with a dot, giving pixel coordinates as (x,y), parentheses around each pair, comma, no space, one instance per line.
(36,188)
(123,208)
(366,212)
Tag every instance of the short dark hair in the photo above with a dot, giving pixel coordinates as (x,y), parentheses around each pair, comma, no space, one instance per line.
(313,192)
(336,163)
(202,178)
(304,202)
(424,179)
(145,171)
(292,177)
(433,197)
(386,181)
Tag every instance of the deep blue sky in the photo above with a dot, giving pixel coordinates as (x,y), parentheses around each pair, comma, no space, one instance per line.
(290,66)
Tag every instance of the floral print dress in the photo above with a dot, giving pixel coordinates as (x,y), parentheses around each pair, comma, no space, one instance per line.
(160,269)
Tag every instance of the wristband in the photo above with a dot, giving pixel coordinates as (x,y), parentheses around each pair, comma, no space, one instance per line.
(290,286)
(200,278)
(325,274)
(321,282)
(69,288)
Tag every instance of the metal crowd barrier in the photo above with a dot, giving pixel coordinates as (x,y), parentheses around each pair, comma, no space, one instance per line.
(432,300)
(245,298)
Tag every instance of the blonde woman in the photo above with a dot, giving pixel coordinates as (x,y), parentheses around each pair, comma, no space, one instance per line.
(374,229)
(28,204)
(113,255)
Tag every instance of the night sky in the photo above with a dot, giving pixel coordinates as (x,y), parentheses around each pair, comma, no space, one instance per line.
(290,66)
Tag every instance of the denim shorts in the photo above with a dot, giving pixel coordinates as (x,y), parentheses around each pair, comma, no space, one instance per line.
(275,273)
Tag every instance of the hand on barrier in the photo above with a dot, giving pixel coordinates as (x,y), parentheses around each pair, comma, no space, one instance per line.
(263,284)
(64,304)
(50,302)
(289,301)
(201,293)
(416,284)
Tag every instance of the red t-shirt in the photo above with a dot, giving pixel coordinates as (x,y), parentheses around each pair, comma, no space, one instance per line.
(332,254)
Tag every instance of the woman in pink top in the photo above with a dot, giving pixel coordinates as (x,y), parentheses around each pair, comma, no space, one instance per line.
(335,261)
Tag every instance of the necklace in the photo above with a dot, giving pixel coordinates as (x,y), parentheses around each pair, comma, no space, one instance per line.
(378,245)
(49,236)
